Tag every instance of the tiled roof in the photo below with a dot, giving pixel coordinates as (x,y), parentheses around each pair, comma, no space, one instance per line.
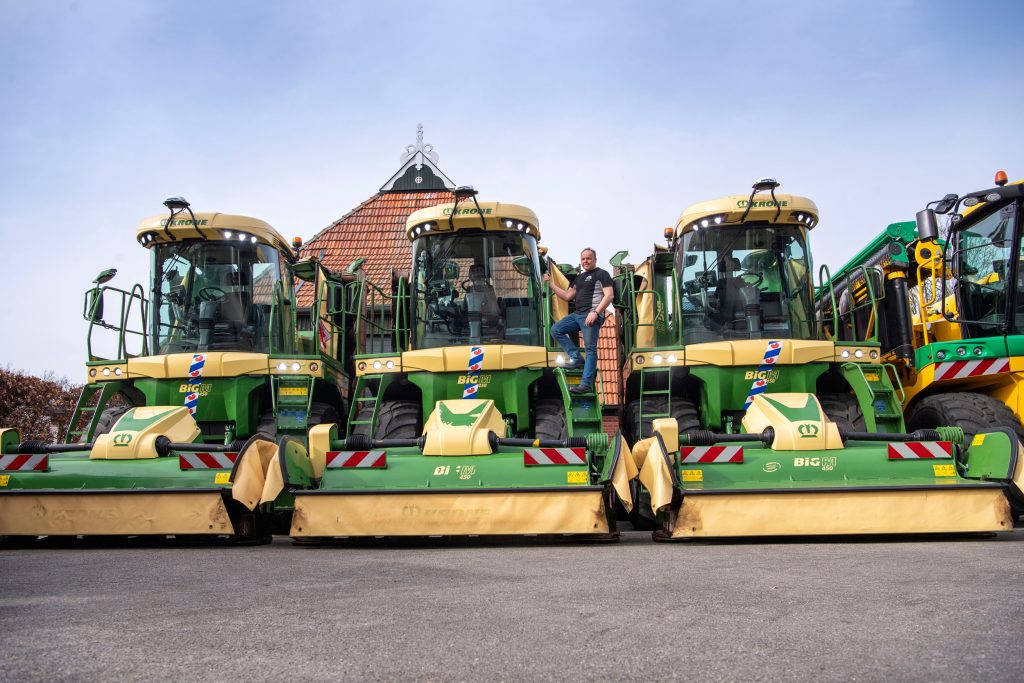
(374,230)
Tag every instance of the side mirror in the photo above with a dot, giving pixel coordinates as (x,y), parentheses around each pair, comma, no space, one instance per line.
(94,305)
(305,270)
(927,225)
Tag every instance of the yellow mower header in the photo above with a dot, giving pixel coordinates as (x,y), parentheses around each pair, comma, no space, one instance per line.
(209,226)
(489,216)
(730,210)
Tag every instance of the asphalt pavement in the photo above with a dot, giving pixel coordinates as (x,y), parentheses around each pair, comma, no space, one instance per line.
(867,610)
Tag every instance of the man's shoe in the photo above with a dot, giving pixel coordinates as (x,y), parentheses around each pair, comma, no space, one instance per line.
(574,364)
(580,389)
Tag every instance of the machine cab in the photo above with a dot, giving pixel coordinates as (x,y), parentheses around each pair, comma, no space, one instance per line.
(220,283)
(745,268)
(475,276)
(986,254)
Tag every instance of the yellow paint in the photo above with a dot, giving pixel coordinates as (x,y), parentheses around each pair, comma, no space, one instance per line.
(947,510)
(211,226)
(576,478)
(368,366)
(801,435)
(668,428)
(655,471)
(978,440)
(5,479)
(944,470)
(450,514)
(217,364)
(64,514)
(251,471)
(871,376)
(751,352)
(693,475)
(320,438)
(456,358)
(644,307)
(120,443)
(471,439)
(734,207)
(559,307)
(625,471)
(222,478)
(495,215)
(293,391)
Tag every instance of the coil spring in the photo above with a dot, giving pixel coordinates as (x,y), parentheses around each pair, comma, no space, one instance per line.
(952,434)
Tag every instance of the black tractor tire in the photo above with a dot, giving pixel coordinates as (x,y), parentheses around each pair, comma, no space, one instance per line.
(321,413)
(971,412)
(844,410)
(108,418)
(549,419)
(399,420)
(684,412)
(267,428)
(365,413)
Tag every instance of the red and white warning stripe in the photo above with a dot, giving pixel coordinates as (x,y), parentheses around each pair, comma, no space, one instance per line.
(971,368)
(337,459)
(207,461)
(912,450)
(24,463)
(555,456)
(711,453)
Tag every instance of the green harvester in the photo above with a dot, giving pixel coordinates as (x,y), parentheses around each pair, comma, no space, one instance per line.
(461,422)
(745,419)
(208,377)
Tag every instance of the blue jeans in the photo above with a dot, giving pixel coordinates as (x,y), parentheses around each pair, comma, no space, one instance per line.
(577,322)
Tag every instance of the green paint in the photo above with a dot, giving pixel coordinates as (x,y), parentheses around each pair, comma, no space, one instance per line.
(460,419)
(809,412)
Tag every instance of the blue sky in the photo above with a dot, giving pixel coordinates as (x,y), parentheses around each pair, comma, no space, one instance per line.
(606,118)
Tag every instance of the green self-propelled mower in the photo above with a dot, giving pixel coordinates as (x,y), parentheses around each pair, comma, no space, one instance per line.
(207,379)
(746,421)
(462,423)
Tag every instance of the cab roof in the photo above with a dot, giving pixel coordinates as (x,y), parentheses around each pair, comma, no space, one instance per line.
(211,226)
(730,210)
(496,216)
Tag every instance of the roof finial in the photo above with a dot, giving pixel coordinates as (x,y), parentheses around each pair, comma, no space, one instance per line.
(419,148)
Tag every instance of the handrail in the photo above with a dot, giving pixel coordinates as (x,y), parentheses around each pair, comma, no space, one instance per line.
(832,295)
(88,313)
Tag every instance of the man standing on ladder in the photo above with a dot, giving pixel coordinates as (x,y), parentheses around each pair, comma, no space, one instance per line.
(593,293)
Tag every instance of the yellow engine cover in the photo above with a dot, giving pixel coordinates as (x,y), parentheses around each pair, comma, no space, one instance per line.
(798,420)
(134,435)
(461,426)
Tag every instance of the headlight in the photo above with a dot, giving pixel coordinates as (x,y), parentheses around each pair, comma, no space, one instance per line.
(390,365)
(377,365)
(656,358)
(858,354)
(845,353)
